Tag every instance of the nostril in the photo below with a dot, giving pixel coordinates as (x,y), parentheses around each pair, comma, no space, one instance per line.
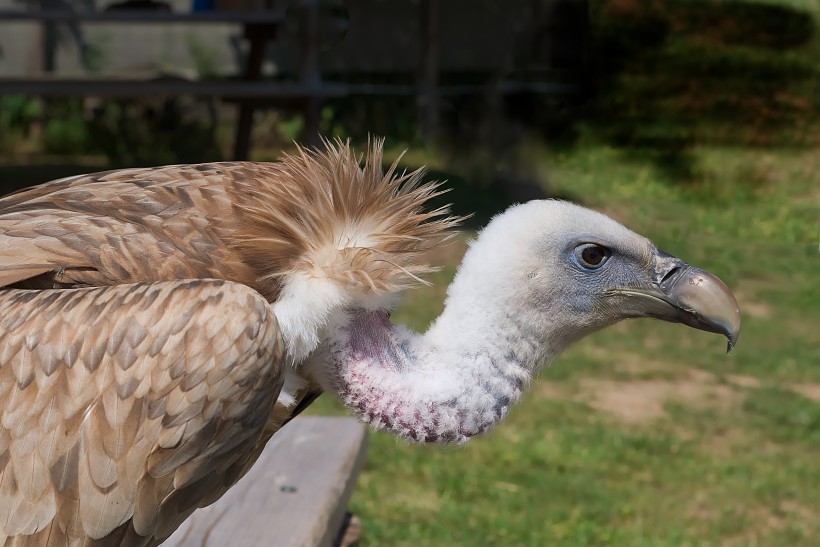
(668,275)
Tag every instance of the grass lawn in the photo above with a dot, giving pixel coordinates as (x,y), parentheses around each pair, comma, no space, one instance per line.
(646,433)
(706,139)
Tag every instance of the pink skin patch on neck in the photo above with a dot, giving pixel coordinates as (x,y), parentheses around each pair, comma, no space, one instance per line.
(371,338)
(371,376)
(379,376)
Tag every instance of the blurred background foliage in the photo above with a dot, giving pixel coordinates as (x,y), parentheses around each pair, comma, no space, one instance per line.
(699,126)
(659,78)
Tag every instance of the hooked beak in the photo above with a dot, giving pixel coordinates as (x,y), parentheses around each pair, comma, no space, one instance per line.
(684,294)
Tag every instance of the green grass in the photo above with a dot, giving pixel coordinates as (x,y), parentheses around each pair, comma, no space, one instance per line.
(705,138)
(645,433)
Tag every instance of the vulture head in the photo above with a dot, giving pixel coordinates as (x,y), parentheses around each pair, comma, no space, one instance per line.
(539,277)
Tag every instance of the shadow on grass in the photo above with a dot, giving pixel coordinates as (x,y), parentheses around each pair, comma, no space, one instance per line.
(669,76)
(482,201)
(663,78)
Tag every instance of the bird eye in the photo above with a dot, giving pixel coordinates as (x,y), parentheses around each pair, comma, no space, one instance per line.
(592,256)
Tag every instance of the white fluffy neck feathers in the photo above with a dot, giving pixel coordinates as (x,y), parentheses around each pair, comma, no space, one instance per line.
(340,233)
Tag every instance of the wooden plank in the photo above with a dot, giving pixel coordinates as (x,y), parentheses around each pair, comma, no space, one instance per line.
(121,87)
(145,16)
(295,495)
(240,90)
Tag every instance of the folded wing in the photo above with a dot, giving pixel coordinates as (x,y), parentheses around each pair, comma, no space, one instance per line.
(124,226)
(124,408)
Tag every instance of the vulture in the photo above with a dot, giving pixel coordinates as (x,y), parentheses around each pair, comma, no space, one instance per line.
(159,325)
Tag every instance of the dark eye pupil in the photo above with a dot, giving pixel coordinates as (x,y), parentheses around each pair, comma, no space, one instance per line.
(593,255)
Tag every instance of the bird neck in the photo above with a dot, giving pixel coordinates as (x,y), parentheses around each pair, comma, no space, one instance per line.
(454,382)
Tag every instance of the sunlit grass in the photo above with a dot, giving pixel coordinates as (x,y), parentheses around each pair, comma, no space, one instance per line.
(646,433)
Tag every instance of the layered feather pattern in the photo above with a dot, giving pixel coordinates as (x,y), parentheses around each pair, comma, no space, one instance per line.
(121,432)
(145,316)
(339,218)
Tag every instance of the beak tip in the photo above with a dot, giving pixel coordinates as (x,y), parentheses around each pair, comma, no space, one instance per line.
(709,304)
(732,336)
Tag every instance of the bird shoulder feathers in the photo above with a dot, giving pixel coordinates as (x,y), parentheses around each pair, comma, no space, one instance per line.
(142,352)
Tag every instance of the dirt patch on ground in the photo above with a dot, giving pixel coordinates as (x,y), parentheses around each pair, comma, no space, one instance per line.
(628,401)
(809,391)
(742,380)
(751,305)
(550,390)
(643,387)
(725,442)
(765,520)
(629,362)
(645,400)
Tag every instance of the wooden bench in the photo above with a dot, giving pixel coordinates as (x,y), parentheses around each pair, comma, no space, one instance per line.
(427,49)
(295,495)
(260,28)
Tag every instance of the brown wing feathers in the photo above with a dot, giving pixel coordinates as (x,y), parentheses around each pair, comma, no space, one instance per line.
(336,214)
(254,223)
(128,403)
(102,231)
